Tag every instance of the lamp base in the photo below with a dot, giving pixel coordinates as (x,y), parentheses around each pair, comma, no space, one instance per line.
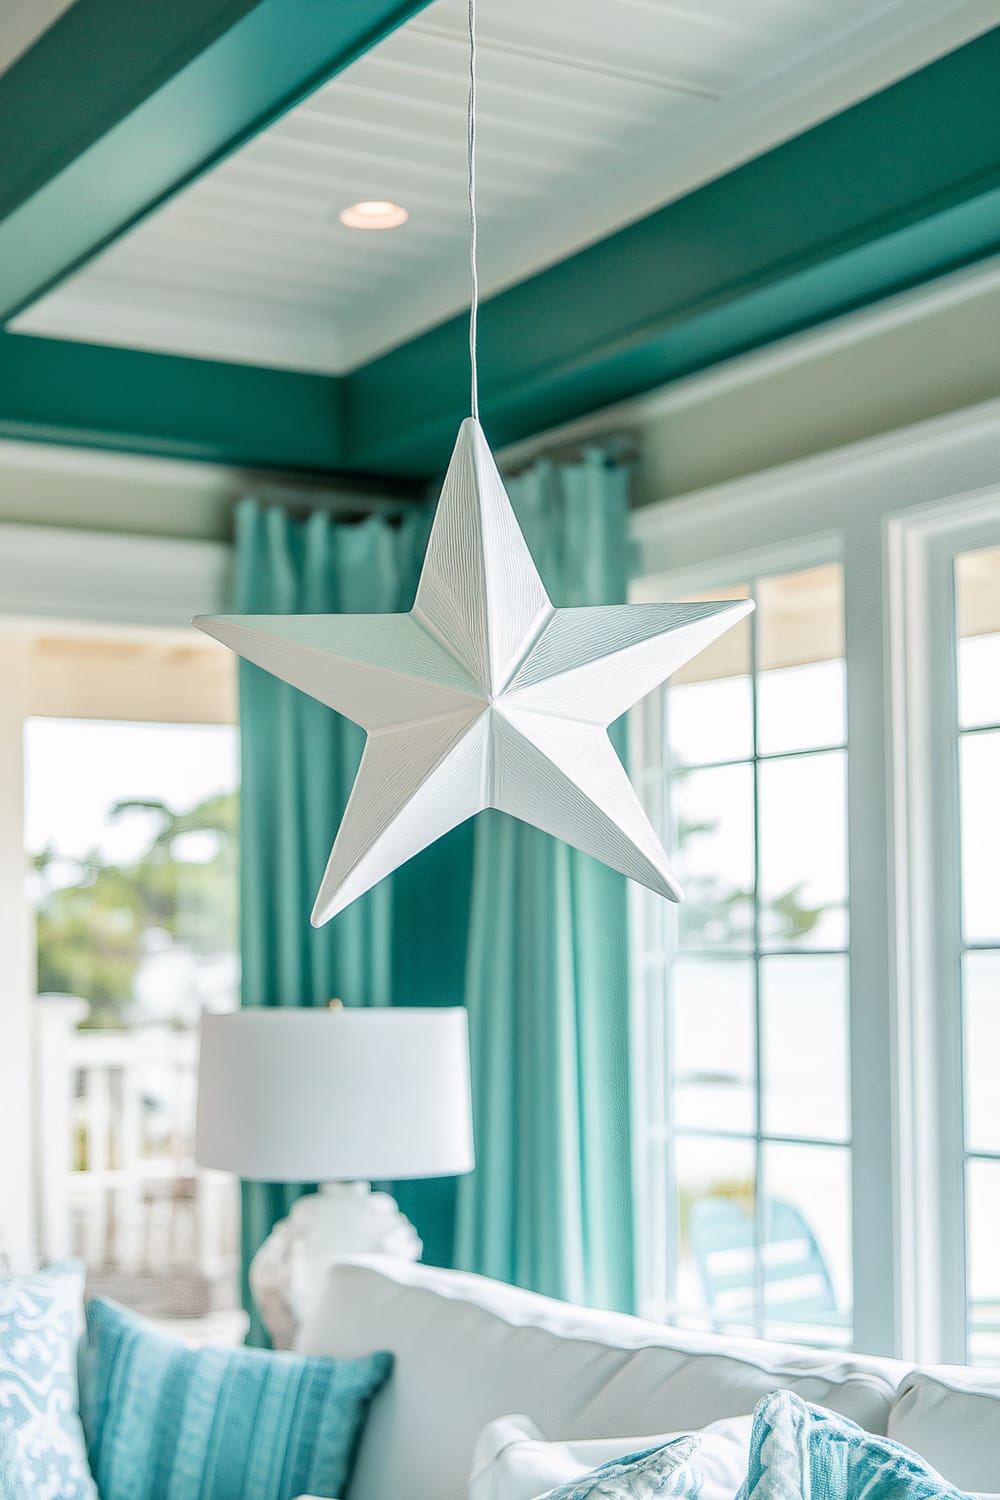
(340,1220)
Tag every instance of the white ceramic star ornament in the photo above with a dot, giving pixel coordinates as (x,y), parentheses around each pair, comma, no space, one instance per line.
(484,695)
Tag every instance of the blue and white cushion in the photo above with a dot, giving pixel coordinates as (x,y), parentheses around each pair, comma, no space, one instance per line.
(42,1449)
(655,1472)
(801,1452)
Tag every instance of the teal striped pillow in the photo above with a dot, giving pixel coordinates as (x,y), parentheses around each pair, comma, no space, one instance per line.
(165,1422)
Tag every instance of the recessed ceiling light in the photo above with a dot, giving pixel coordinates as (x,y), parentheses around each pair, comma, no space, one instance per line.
(374,213)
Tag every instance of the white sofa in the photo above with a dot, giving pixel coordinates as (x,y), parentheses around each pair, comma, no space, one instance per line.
(469,1350)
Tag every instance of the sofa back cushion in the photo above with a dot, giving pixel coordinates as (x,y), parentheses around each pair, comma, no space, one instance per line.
(952,1417)
(468,1350)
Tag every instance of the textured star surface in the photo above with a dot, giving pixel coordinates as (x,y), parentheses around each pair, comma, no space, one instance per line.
(484,695)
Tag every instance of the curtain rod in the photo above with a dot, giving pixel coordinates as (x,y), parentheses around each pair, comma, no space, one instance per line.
(359,497)
(621,445)
(356,499)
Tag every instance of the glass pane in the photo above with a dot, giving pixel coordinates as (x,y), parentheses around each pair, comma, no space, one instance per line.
(977,594)
(710,705)
(981,996)
(800,665)
(982,1183)
(715,1213)
(980,790)
(713,854)
(803,853)
(712,1044)
(805,1046)
(807,1262)
(801,708)
(711,721)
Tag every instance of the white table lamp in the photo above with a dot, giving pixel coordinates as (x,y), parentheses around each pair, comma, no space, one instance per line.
(337,1096)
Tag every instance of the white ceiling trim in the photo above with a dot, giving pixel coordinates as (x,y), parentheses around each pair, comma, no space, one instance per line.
(206,480)
(54,574)
(901,472)
(975,282)
(216,325)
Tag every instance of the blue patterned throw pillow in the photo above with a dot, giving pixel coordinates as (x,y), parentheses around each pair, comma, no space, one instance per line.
(42,1451)
(165,1422)
(655,1472)
(798,1451)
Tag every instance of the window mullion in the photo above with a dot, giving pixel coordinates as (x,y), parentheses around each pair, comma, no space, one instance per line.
(876,1283)
(760,1188)
(931,1202)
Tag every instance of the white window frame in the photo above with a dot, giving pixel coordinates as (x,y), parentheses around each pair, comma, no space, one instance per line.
(872,503)
(921,549)
(656,1197)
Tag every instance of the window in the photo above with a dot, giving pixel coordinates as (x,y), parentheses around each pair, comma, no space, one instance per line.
(745,1117)
(893,1071)
(977,727)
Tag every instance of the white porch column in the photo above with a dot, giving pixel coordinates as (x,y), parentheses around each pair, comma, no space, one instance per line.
(17,961)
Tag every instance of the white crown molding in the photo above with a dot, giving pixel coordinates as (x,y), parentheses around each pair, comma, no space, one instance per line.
(51,573)
(927,465)
(101,307)
(116,577)
(207,481)
(848,331)
(67,461)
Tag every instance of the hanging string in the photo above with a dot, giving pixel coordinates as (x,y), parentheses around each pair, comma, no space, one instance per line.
(473,227)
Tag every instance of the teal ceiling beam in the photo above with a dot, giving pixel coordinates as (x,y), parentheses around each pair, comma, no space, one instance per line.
(898,189)
(92,395)
(120,104)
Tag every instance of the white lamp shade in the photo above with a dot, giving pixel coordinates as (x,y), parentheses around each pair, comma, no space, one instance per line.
(324,1095)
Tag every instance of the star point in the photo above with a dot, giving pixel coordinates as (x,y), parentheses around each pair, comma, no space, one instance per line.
(484,695)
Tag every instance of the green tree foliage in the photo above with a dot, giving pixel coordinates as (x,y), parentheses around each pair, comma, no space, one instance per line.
(94,932)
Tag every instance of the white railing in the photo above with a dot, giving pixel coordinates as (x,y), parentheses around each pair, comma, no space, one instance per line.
(117,1184)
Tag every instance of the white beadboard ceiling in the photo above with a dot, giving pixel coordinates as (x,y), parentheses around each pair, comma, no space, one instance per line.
(592,113)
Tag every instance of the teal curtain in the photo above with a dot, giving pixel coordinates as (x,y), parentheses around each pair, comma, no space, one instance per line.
(549,1206)
(404,942)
